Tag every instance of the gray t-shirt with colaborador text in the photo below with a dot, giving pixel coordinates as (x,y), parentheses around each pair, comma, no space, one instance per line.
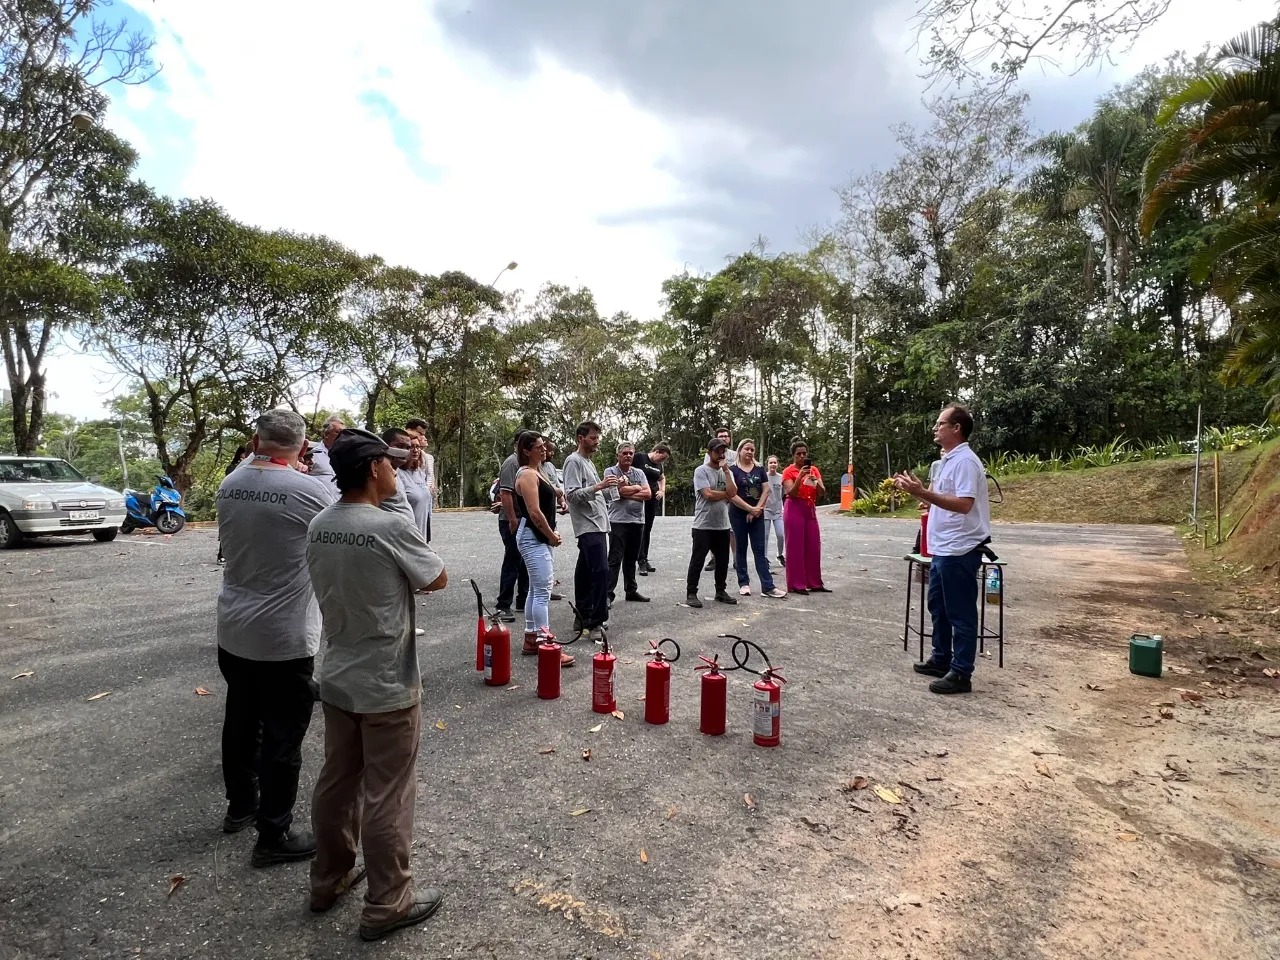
(365,565)
(266,609)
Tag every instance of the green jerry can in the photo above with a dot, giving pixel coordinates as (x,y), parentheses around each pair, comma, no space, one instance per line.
(1146,654)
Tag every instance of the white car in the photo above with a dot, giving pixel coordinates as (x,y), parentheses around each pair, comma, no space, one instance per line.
(47,497)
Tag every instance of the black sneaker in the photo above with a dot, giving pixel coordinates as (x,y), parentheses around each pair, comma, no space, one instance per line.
(504,614)
(642,570)
(711,565)
(650,568)
(930,668)
(952,683)
(724,597)
(235,822)
(782,560)
(692,600)
(294,846)
(556,596)
(425,904)
(636,597)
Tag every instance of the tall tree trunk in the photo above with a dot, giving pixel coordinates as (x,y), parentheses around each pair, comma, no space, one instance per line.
(1109,255)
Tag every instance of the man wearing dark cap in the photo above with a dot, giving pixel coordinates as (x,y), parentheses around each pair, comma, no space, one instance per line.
(366,563)
(713,488)
(268,635)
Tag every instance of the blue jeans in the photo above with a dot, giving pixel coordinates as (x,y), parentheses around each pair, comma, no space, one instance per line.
(756,533)
(537,560)
(953,605)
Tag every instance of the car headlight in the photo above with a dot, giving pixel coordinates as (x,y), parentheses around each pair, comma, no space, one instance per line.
(37,505)
(117,504)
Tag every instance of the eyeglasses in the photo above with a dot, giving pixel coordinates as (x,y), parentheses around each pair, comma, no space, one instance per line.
(944,423)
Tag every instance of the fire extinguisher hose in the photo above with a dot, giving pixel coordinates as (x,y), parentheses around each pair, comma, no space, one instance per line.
(655,650)
(741,653)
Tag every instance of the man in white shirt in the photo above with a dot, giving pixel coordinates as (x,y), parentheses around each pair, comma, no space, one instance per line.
(959,529)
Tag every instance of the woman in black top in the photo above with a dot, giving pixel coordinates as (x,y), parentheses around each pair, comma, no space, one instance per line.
(535,503)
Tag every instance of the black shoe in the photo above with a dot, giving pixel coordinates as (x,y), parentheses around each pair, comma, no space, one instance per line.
(295,845)
(711,565)
(649,567)
(642,571)
(821,590)
(801,591)
(952,683)
(931,668)
(724,597)
(692,600)
(556,596)
(636,597)
(425,904)
(782,560)
(235,822)
(504,614)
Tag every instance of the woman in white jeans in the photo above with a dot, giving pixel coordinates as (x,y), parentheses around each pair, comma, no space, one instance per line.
(773,510)
(535,503)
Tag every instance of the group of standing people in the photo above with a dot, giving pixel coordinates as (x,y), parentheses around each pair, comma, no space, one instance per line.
(334,549)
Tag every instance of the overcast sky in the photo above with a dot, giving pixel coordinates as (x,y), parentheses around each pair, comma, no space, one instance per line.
(610,144)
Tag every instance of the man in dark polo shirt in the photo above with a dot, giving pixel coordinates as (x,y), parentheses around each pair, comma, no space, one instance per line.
(268,634)
(652,465)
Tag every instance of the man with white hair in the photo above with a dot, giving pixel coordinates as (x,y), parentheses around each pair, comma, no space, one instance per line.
(268,634)
(320,466)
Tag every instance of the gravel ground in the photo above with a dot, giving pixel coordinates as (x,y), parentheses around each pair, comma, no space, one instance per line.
(690,847)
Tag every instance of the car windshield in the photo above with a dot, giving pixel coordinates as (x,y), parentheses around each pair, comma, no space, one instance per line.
(18,470)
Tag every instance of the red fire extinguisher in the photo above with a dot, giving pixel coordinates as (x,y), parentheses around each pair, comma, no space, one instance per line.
(550,660)
(603,697)
(657,682)
(493,646)
(715,697)
(766,722)
(766,718)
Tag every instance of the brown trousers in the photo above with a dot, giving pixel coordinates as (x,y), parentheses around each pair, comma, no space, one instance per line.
(365,796)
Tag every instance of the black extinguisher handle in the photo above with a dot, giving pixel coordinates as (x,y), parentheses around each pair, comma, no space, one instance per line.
(481,609)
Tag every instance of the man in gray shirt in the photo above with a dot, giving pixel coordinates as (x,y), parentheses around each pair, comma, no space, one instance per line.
(588,497)
(626,522)
(713,488)
(514,577)
(320,452)
(366,564)
(268,635)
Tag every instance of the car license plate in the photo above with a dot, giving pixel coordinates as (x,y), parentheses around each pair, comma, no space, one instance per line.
(84,515)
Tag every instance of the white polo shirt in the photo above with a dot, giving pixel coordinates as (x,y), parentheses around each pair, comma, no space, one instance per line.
(960,474)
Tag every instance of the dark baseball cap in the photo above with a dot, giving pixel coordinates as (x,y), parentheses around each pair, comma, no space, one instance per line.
(715,443)
(354,446)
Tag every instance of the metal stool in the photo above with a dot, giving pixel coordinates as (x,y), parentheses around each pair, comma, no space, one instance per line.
(919,562)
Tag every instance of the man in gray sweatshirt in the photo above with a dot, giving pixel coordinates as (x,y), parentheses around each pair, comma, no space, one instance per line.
(588,498)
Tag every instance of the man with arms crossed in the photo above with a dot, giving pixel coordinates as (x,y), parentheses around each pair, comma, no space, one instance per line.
(651,465)
(626,522)
(514,578)
(268,635)
(959,528)
(366,563)
(713,488)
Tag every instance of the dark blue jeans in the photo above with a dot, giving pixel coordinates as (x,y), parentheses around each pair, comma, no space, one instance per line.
(514,578)
(953,605)
(591,579)
(754,534)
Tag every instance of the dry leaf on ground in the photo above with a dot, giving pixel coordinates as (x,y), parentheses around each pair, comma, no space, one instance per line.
(1127,837)
(749,800)
(671,813)
(202,692)
(1268,672)
(98,696)
(1042,768)
(546,750)
(175,882)
(1166,712)
(1192,696)
(857,783)
(441,725)
(1093,686)
(24,675)
(644,857)
(586,754)
(579,812)
(597,728)
(619,715)
(885,794)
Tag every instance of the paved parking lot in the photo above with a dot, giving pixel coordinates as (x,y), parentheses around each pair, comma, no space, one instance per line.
(692,846)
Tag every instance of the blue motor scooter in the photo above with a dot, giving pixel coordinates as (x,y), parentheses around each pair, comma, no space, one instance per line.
(162,508)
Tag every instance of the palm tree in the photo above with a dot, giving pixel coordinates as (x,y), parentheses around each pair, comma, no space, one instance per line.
(1222,149)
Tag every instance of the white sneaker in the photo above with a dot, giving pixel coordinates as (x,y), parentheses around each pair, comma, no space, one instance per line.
(744,591)
(419,632)
(777,594)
